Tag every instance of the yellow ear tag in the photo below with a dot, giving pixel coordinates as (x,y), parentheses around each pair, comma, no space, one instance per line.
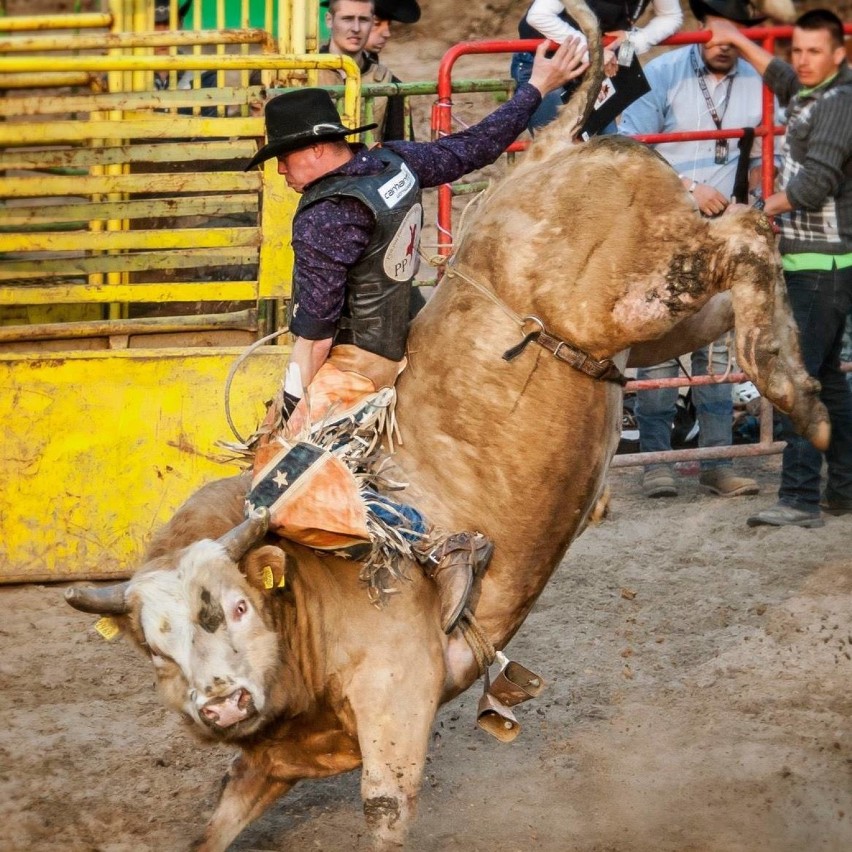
(283,581)
(107,627)
(268,578)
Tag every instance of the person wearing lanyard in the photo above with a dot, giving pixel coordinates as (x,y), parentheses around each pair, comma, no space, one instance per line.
(698,88)
(814,214)
(548,19)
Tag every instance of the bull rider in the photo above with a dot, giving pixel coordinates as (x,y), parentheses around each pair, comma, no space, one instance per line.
(355,237)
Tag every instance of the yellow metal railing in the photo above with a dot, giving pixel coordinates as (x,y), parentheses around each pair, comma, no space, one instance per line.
(124,195)
(70,21)
(49,259)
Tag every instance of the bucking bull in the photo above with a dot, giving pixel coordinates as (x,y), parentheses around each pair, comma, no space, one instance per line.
(277,648)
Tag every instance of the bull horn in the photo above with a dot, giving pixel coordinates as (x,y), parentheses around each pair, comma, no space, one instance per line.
(238,540)
(108,600)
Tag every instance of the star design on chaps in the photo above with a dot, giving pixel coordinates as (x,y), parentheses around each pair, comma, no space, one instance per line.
(280,479)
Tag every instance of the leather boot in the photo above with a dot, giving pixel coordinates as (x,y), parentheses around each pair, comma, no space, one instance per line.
(453,563)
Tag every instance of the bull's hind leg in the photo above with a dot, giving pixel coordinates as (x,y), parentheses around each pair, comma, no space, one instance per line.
(767,340)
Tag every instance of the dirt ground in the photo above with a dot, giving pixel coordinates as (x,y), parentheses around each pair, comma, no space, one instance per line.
(698,693)
(698,698)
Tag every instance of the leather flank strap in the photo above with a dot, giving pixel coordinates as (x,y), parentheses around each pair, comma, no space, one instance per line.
(604,370)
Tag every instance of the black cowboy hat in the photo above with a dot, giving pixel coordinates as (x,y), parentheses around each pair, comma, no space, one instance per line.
(298,119)
(161,11)
(404,11)
(738,11)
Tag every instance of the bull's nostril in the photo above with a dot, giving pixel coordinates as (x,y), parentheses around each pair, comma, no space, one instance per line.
(210,714)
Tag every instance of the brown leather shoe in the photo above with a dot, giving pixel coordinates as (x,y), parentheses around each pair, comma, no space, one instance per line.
(452,564)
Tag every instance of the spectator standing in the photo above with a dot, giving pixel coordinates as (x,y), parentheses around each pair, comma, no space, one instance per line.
(548,19)
(814,213)
(698,88)
(350,24)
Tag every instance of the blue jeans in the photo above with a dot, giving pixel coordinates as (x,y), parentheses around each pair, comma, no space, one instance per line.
(846,351)
(655,409)
(521,70)
(820,301)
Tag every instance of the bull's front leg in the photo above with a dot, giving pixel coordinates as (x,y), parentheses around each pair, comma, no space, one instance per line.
(767,339)
(394,717)
(315,746)
(247,791)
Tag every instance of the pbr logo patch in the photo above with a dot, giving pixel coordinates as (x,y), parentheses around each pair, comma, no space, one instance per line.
(397,187)
(401,258)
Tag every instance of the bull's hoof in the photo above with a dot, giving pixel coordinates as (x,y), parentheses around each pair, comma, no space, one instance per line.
(819,434)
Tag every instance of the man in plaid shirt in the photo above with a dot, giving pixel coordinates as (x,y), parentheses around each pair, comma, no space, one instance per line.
(814,214)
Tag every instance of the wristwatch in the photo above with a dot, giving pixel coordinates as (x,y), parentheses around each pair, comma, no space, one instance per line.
(759,204)
(691,188)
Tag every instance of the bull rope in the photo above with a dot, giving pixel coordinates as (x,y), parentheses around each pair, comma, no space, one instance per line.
(483,650)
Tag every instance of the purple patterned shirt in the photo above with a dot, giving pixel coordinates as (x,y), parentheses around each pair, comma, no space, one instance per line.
(330,236)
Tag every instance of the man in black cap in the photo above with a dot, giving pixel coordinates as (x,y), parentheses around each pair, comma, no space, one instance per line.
(355,238)
(384,12)
(395,120)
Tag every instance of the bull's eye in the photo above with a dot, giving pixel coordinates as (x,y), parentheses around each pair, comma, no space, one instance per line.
(240,608)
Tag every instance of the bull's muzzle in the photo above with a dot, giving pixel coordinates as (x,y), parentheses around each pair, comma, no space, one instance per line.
(227,711)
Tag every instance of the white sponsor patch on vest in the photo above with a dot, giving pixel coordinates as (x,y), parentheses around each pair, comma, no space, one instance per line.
(397,187)
(401,258)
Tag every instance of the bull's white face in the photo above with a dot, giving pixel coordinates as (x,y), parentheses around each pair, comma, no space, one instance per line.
(212,641)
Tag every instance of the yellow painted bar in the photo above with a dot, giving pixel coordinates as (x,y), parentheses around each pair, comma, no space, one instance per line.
(37,212)
(181,62)
(85,20)
(190,291)
(140,261)
(44,81)
(80,502)
(46,185)
(160,239)
(276,253)
(46,105)
(47,44)
(156,127)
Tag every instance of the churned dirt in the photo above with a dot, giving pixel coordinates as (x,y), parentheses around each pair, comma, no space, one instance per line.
(698,696)
(698,699)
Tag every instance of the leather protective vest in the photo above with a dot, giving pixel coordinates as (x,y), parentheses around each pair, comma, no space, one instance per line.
(611,14)
(378,286)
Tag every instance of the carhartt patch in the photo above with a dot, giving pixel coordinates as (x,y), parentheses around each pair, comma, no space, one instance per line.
(394,190)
